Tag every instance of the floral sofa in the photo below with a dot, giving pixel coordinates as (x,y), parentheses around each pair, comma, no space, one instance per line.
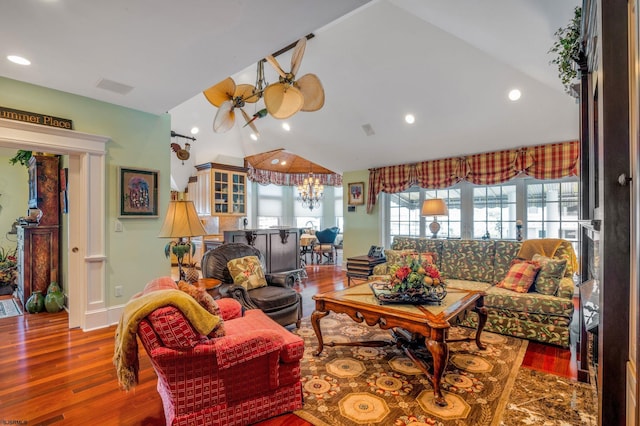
(480,265)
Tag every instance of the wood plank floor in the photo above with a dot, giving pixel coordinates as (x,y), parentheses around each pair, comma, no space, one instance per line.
(52,375)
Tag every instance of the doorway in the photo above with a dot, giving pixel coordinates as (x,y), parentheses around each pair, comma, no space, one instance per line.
(84,252)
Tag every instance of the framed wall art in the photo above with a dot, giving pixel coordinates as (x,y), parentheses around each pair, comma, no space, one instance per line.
(137,192)
(356,193)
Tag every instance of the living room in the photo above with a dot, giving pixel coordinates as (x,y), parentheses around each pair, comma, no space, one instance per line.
(134,137)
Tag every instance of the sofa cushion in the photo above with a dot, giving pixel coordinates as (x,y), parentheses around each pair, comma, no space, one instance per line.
(551,271)
(173,329)
(521,276)
(247,272)
(535,303)
(506,251)
(468,260)
(453,284)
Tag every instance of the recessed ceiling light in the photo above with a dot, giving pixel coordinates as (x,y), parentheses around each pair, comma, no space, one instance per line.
(283,163)
(19,60)
(275,161)
(194,130)
(409,118)
(286,126)
(514,94)
(253,136)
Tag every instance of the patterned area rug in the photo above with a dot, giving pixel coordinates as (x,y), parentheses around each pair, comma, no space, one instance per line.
(382,386)
(9,308)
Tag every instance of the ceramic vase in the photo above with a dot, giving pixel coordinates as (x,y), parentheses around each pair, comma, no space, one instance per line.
(35,302)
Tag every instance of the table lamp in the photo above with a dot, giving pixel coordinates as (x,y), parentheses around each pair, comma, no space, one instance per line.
(434,207)
(181,222)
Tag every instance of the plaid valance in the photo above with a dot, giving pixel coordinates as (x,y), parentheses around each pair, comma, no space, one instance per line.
(551,161)
(267,177)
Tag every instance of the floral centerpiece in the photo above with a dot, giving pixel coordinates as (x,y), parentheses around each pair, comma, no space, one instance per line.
(8,271)
(415,280)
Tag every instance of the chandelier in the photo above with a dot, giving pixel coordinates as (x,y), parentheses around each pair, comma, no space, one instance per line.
(310,192)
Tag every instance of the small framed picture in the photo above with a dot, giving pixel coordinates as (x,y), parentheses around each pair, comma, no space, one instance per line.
(137,192)
(356,193)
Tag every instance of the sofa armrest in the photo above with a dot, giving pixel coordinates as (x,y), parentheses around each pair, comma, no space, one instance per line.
(566,288)
(380,269)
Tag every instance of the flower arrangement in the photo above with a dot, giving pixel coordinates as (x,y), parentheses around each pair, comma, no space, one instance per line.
(8,266)
(415,274)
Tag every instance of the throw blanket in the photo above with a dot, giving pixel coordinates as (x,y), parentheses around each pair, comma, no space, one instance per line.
(125,356)
(546,247)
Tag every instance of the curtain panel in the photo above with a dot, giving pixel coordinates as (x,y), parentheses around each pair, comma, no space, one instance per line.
(552,161)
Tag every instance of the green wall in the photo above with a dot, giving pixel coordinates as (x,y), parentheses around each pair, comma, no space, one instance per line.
(361,230)
(13,198)
(138,139)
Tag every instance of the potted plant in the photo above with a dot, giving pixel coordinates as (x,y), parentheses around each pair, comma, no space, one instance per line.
(180,248)
(8,271)
(21,157)
(568,50)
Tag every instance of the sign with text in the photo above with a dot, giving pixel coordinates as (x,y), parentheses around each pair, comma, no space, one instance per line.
(32,117)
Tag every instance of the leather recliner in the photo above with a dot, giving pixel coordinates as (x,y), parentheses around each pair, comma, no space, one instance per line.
(280,302)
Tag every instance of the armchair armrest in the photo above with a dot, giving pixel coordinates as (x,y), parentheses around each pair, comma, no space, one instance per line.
(238,293)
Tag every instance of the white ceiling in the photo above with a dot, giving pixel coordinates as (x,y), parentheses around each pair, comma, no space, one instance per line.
(450,63)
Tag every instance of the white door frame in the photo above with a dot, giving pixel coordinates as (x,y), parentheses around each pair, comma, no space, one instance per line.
(85,253)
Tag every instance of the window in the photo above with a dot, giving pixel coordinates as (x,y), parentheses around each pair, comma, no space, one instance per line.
(269,209)
(494,212)
(553,210)
(548,209)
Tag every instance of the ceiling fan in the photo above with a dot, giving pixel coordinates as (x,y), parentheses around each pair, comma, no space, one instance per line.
(288,95)
(228,96)
(282,99)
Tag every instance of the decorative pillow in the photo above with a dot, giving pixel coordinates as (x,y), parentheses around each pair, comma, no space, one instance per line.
(551,272)
(521,276)
(206,301)
(247,272)
(173,329)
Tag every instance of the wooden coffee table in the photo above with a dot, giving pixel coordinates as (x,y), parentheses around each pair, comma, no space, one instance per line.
(415,327)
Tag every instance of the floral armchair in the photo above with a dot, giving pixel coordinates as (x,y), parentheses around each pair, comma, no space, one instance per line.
(246,374)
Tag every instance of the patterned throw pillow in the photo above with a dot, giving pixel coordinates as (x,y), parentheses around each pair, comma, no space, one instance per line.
(206,301)
(551,271)
(247,272)
(521,276)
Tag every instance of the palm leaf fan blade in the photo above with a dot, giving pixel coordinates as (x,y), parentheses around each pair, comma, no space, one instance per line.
(225,117)
(221,92)
(276,66)
(298,53)
(249,122)
(282,101)
(247,93)
(312,91)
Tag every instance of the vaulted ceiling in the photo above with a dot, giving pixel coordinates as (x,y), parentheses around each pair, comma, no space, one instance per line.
(449,63)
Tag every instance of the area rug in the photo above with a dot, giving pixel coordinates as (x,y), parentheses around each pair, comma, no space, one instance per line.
(356,385)
(9,308)
(539,398)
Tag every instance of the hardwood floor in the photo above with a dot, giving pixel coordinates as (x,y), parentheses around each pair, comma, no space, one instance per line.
(53,375)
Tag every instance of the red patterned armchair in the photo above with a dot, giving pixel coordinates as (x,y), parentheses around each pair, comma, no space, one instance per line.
(249,374)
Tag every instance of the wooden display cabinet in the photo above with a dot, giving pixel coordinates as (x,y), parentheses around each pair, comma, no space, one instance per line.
(226,190)
(38,248)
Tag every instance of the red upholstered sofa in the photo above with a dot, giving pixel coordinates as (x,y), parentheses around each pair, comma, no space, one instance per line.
(250,374)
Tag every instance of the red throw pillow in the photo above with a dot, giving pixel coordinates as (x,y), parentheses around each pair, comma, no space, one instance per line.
(521,276)
(206,301)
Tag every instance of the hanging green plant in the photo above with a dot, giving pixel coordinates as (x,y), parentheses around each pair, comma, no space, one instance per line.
(21,157)
(568,50)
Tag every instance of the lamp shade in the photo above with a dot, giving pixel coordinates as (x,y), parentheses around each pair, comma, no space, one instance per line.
(434,207)
(181,221)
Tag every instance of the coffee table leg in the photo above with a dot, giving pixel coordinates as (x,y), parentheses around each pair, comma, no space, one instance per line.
(315,323)
(482,320)
(440,352)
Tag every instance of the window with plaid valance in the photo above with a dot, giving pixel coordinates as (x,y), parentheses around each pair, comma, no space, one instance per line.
(551,161)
